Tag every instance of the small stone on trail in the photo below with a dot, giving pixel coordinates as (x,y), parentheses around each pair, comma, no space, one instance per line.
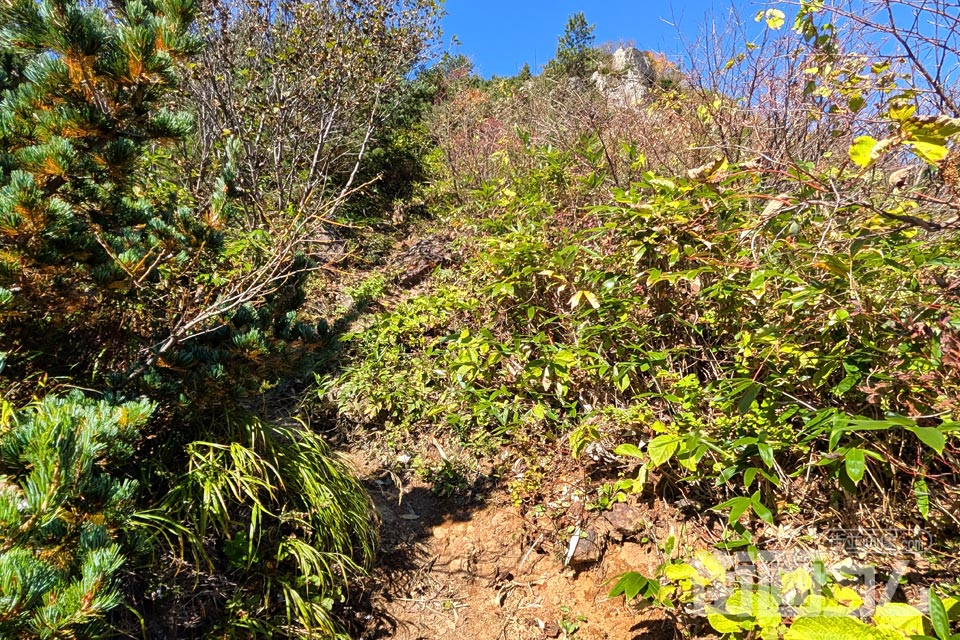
(625,521)
(587,551)
(551,629)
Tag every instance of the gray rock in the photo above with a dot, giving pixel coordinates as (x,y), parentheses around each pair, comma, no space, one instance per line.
(633,63)
(630,75)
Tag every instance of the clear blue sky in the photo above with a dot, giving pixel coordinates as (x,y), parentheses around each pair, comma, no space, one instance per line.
(501,35)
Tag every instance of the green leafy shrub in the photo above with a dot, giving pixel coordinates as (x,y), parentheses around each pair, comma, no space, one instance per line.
(762,321)
(806,603)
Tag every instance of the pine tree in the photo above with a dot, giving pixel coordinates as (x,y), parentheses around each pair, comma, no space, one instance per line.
(575,46)
(61,513)
(112,275)
(84,98)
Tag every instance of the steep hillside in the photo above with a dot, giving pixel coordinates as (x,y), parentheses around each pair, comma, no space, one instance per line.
(673,361)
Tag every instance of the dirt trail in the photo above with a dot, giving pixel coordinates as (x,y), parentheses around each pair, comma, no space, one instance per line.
(477,567)
(480,569)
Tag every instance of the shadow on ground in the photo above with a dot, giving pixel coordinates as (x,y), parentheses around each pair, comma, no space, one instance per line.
(410,516)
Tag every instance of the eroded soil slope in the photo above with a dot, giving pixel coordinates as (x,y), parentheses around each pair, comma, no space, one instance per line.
(477,566)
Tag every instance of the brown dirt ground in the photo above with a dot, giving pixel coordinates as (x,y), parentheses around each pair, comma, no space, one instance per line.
(480,568)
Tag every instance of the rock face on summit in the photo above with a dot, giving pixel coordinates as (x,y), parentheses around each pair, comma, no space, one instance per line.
(630,74)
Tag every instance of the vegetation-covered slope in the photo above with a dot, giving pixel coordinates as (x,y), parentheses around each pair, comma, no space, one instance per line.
(730,291)
(152,273)
(703,304)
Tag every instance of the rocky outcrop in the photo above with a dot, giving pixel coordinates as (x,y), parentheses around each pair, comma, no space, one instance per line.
(631,73)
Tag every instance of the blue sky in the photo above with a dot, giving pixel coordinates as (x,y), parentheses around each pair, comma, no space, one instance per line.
(501,35)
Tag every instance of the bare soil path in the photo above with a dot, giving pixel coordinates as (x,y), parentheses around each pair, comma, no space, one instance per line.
(479,568)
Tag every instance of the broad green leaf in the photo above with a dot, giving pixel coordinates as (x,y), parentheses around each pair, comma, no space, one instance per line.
(922,494)
(900,617)
(835,436)
(798,580)
(766,454)
(758,603)
(631,584)
(746,402)
(819,572)
(682,571)
(952,605)
(846,384)
(710,564)
(631,450)
(762,511)
(837,628)
(736,505)
(772,479)
(817,605)
(662,448)
(902,111)
(855,463)
(928,135)
(938,616)
(846,596)
(930,151)
(663,184)
(725,623)
(930,436)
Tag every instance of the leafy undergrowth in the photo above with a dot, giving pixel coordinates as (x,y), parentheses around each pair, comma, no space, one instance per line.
(768,348)
(788,361)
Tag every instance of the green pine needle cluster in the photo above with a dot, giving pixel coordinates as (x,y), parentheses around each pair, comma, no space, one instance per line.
(127,270)
(62,513)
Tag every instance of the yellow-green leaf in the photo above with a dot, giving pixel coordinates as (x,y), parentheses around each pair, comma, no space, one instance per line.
(798,581)
(837,628)
(592,299)
(846,596)
(774,18)
(662,449)
(900,617)
(710,564)
(861,151)
(723,623)
(930,152)
(901,112)
(682,571)
(627,449)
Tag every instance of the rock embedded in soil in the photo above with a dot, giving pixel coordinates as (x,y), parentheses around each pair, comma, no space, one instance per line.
(625,521)
(587,551)
(634,556)
(551,629)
